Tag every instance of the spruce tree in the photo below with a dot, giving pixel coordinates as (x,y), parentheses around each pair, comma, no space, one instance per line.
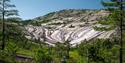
(6,11)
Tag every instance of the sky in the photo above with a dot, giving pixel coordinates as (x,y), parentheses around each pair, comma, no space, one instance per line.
(29,9)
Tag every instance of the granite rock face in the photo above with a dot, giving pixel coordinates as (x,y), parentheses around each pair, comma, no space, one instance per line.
(74,35)
(74,26)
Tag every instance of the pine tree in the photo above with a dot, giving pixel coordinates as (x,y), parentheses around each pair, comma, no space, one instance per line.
(6,11)
(116,7)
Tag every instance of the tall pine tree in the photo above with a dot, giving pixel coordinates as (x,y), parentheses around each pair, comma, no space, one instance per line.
(6,11)
(116,7)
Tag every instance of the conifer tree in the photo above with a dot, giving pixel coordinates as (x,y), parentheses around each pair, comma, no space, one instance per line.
(6,11)
(116,7)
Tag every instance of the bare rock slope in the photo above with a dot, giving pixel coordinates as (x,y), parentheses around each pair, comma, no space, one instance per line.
(74,26)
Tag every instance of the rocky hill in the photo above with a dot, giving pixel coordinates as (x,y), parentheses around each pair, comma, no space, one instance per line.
(71,25)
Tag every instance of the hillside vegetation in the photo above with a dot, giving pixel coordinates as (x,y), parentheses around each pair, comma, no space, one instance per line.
(51,38)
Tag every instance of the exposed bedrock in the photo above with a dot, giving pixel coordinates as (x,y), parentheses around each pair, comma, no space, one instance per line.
(74,35)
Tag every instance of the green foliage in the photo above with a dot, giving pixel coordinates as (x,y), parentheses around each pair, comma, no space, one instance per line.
(5,57)
(100,51)
(26,22)
(45,21)
(60,50)
(42,57)
(112,20)
(9,54)
(107,20)
(117,15)
(104,28)
(114,17)
(8,11)
(110,4)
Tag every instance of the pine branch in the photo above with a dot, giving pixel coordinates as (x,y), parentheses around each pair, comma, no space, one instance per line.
(11,13)
(110,4)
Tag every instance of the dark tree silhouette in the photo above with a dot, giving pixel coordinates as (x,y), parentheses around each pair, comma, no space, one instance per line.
(5,12)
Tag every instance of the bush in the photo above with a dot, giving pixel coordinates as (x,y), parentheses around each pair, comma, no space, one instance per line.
(100,51)
(42,57)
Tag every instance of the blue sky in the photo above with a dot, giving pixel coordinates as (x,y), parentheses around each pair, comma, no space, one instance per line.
(29,9)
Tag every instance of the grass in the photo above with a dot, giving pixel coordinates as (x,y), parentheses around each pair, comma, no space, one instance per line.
(25,52)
